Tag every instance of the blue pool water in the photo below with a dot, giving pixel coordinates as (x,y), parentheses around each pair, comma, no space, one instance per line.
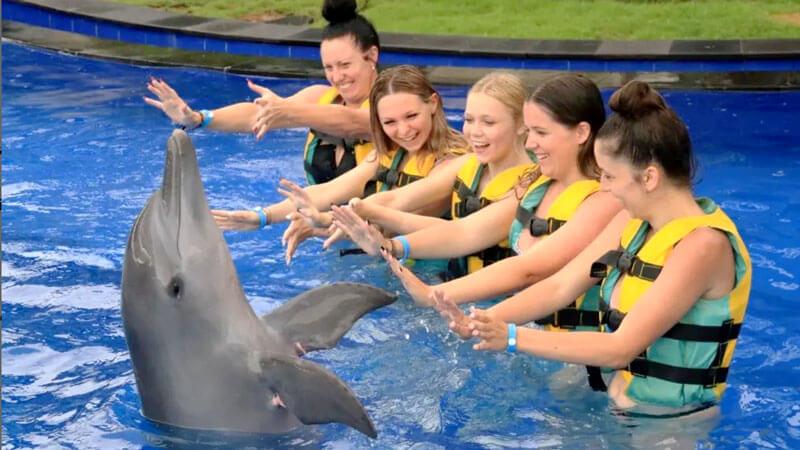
(81,154)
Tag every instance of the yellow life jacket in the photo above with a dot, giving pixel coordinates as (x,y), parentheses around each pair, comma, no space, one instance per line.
(390,175)
(465,201)
(689,363)
(319,156)
(582,314)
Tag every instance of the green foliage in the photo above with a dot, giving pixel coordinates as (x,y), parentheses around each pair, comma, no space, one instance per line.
(538,19)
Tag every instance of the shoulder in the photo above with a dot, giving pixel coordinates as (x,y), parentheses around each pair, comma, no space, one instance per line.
(601,200)
(707,240)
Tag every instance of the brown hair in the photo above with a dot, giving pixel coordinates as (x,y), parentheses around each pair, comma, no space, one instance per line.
(571,99)
(411,80)
(646,130)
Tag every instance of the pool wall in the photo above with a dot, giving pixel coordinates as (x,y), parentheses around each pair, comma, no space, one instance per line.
(288,50)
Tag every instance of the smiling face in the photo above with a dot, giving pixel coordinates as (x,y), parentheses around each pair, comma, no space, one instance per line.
(489,127)
(347,68)
(556,145)
(406,119)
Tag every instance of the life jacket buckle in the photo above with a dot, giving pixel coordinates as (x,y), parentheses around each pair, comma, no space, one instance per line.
(471,204)
(625,262)
(391,177)
(538,227)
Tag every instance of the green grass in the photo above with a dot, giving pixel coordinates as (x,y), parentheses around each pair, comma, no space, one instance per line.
(539,19)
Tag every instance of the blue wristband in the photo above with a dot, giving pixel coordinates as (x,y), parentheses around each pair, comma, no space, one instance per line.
(262,217)
(512,338)
(406,246)
(207,116)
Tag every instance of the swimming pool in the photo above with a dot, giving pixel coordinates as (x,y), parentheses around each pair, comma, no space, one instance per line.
(82,153)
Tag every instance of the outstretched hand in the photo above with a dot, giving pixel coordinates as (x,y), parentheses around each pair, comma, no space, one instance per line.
(298,231)
(360,231)
(242,220)
(269,108)
(303,204)
(492,331)
(456,319)
(170,103)
(419,291)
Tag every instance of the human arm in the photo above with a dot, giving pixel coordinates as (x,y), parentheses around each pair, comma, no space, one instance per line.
(403,210)
(539,261)
(322,196)
(701,265)
(455,238)
(303,110)
(237,117)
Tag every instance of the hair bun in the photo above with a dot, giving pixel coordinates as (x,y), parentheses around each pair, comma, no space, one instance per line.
(337,11)
(636,99)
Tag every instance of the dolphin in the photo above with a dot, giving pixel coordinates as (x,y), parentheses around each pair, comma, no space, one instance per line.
(201,357)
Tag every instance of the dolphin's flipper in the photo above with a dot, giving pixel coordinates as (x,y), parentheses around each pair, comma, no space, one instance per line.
(314,394)
(317,319)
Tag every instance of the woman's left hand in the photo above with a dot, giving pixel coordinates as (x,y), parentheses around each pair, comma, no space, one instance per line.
(492,332)
(299,230)
(270,108)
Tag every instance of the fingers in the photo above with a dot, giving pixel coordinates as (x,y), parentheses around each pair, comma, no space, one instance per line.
(258,89)
(336,234)
(153,102)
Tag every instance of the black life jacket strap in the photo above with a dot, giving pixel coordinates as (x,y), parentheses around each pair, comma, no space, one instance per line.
(642,367)
(595,378)
(389,176)
(351,251)
(571,317)
(537,226)
(469,200)
(625,263)
(494,254)
(540,227)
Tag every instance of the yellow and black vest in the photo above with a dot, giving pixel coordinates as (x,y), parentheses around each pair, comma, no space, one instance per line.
(319,156)
(390,175)
(689,363)
(582,314)
(466,201)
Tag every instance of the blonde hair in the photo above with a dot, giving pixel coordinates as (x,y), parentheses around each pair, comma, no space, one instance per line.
(411,80)
(509,90)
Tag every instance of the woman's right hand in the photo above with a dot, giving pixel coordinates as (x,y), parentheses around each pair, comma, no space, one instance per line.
(456,319)
(242,220)
(171,104)
(360,231)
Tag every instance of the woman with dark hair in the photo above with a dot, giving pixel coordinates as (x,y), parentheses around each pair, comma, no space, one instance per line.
(675,275)
(337,115)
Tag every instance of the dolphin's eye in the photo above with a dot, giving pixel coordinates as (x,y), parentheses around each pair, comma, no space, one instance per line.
(175,288)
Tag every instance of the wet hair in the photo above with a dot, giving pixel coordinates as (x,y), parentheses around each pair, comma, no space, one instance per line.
(645,130)
(343,20)
(411,80)
(508,89)
(570,99)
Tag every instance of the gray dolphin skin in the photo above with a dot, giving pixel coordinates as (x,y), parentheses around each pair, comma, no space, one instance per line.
(201,357)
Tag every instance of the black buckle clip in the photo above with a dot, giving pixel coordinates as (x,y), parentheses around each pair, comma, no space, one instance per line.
(538,227)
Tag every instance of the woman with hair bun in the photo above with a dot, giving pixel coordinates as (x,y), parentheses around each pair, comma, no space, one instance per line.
(337,115)
(675,276)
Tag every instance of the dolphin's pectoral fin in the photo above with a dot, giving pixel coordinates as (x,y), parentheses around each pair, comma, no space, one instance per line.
(314,394)
(318,318)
